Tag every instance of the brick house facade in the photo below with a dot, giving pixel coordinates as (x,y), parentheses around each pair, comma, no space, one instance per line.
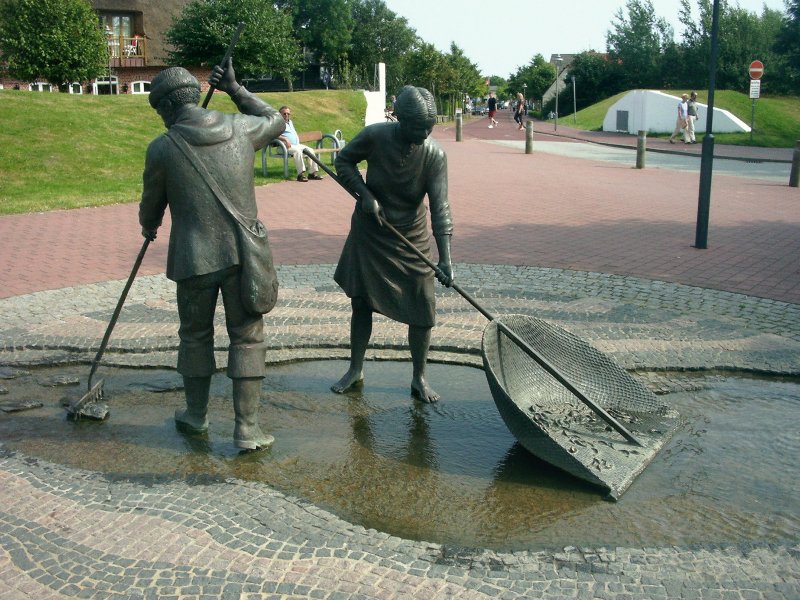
(135,30)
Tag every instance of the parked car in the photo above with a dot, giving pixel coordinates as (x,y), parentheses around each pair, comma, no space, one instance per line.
(480,110)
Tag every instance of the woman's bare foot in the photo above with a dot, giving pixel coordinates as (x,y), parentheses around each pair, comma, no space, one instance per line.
(351,379)
(422,391)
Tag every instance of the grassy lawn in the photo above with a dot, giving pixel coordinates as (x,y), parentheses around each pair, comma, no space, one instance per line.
(777,121)
(64,151)
(61,151)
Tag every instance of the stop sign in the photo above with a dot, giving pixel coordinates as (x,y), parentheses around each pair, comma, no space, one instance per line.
(756,69)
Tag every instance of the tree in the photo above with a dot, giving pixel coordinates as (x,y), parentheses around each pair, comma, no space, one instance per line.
(743,37)
(202,32)
(533,79)
(596,78)
(637,42)
(465,78)
(380,36)
(787,47)
(322,26)
(426,67)
(56,40)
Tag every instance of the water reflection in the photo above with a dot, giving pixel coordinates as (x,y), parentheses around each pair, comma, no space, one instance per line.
(449,472)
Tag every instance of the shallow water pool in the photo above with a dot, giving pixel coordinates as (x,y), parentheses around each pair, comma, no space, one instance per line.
(449,472)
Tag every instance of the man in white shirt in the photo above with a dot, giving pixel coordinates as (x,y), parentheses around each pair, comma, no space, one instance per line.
(295,148)
(683,120)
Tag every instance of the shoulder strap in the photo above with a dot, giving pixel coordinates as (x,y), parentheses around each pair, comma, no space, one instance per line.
(201,169)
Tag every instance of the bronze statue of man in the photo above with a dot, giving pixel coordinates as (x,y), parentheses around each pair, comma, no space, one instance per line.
(378,273)
(203,257)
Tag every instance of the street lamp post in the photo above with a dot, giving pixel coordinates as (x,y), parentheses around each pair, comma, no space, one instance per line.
(558,62)
(574,102)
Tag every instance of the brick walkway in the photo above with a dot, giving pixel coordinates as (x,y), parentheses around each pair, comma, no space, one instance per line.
(508,207)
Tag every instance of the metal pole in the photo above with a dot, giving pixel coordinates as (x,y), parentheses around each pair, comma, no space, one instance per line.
(556,129)
(641,144)
(752,119)
(707,160)
(459,125)
(794,176)
(529,137)
(574,102)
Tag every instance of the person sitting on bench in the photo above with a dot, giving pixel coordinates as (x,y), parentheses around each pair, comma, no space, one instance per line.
(295,148)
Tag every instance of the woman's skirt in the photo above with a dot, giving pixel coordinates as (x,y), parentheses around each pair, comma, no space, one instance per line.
(377,267)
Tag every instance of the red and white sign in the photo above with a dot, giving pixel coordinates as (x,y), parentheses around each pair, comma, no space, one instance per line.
(756,69)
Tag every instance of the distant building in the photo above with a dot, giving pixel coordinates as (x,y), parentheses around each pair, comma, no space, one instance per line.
(561,62)
(138,50)
(654,111)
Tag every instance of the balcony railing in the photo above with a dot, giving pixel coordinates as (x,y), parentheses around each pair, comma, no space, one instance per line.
(127,51)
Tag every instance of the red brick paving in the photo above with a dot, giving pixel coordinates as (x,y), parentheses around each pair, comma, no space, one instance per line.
(508,207)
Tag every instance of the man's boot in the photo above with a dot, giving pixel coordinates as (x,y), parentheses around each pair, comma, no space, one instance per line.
(247,434)
(193,419)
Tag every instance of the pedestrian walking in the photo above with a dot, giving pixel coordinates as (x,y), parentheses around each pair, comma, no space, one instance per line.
(691,110)
(520,110)
(682,122)
(492,106)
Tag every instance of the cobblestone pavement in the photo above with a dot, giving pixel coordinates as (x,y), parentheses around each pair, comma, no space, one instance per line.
(67,533)
(602,250)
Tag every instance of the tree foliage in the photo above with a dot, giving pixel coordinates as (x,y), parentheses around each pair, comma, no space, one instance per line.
(202,32)
(427,67)
(787,44)
(743,37)
(380,36)
(596,78)
(643,54)
(532,79)
(323,26)
(56,40)
(465,78)
(637,41)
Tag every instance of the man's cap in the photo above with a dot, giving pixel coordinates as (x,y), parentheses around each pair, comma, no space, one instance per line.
(168,81)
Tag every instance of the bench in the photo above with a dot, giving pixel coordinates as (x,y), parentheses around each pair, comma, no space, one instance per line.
(312,139)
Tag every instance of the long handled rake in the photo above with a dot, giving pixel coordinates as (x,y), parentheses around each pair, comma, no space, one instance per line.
(95,393)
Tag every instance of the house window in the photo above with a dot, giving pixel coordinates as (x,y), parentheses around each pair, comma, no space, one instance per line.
(75,88)
(121,31)
(140,87)
(106,85)
(40,86)
(117,25)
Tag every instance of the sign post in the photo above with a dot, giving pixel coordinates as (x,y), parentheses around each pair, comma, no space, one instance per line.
(756,70)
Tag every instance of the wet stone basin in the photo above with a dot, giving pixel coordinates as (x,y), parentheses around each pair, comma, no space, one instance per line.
(449,473)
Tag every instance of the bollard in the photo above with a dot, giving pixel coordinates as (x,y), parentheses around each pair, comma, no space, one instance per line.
(794,176)
(459,125)
(529,137)
(641,144)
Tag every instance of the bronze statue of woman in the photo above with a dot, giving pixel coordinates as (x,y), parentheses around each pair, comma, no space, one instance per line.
(376,272)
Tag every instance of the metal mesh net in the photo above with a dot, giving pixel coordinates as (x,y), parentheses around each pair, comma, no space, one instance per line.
(552,423)
(593,373)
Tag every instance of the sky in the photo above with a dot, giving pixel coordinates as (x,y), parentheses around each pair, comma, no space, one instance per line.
(501,36)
